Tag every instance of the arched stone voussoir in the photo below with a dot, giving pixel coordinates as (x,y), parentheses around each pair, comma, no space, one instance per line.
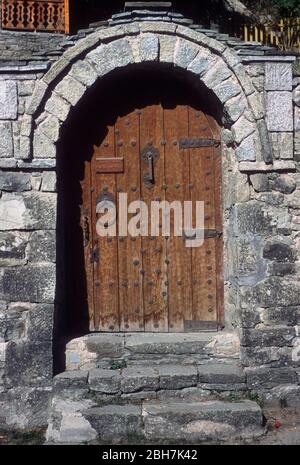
(207,60)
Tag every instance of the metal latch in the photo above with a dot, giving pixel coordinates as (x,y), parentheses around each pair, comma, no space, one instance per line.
(196,143)
(150,155)
(207,233)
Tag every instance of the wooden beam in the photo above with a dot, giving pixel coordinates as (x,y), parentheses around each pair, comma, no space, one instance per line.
(110,165)
(147,5)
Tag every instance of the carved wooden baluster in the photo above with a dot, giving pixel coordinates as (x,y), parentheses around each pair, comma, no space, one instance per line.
(31,15)
(9,14)
(60,24)
(50,16)
(41,20)
(20,15)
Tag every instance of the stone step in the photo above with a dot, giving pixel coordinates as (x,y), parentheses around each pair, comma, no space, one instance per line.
(157,421)
(151,382)
(117,350)
(200,422)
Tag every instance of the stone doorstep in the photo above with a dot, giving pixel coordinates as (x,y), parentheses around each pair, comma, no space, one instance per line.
(160,421)
(99,349)
(214,377)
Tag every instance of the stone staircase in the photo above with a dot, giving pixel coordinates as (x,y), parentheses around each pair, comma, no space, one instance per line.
(160,388)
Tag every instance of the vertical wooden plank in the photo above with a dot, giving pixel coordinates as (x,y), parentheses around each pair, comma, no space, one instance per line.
(67,16)
(87,239)
(106,268)
(130,261)
(219,242)
(177,181)
(154,248)
(204,257)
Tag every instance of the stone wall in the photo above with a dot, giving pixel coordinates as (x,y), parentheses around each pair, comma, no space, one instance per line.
(260,191)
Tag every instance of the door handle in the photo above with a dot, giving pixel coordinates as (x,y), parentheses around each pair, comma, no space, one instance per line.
(151,169)
(150,155)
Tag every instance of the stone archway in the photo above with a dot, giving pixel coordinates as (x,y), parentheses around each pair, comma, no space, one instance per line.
(207,60)
(209,65)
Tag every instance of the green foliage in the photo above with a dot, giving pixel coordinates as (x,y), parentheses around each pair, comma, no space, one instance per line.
(282,8)
(288,7)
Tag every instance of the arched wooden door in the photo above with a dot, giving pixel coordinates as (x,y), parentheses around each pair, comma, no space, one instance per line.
(155,283)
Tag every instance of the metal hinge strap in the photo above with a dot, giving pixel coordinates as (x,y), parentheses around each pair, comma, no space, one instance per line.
(196,142)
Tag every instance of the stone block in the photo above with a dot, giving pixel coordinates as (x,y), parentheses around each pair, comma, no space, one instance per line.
(12,247)
(283,145)
(281,316)
(50,127)
(252,217)
(25,408)
(58,107)
(215,75)
(235,107)
(278,251)
(39,319)
(221,374)
(185,52)
(24,150)
(281,269)
(297,119)
(105,381)
(12,325)
(242,129)
(39,92)
(276,291)
(196,422)
(43,147)
(42,246)
(177,377)
(296,96)
(70,89)
(244,79)
(247,150)
(115,422)
(143,379)
(260,182)
(49,182)
(67,424)
(148,48)
(88,351)
(279,76)
(280,111)
(84,72)
(6,140)
(14,182)
(267,378)
(28,211)
(28,364)
(227,90)
(166,49)
(201,64)
(8,100)
(26,88)
(111,56)
(33,283)
(268,337)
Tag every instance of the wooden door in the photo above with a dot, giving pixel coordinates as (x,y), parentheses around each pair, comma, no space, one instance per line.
(146,283)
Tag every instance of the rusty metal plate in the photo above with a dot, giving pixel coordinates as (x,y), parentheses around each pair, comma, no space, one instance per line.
(195,326)
(110,165)
(195,143)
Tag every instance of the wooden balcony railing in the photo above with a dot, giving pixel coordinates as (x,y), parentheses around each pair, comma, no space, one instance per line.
(36,15)
(284,34)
